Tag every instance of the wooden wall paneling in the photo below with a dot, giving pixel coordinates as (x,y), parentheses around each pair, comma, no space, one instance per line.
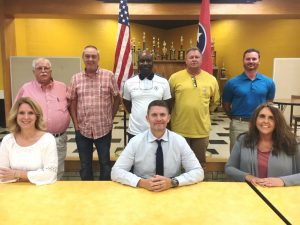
(167,67)
(8,45)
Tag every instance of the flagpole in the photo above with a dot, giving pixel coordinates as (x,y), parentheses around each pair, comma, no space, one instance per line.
(123,67)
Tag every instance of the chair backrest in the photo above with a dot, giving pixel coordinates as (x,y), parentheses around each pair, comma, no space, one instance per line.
(295,96)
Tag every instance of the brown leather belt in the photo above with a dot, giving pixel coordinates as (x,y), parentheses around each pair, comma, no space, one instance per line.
(240,118)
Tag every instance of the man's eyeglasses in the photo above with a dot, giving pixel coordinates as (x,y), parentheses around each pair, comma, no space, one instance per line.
(43,68)
(194,82)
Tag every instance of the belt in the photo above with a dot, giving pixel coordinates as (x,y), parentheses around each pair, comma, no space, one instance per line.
(240,118)
(58,135)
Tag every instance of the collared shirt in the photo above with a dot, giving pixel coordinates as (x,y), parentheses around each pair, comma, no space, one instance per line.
(194,99)
(141,93)
(53,101)
(140,152)
(245,94)
(94,102)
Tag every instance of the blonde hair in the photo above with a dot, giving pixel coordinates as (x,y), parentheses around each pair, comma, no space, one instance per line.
(12,119)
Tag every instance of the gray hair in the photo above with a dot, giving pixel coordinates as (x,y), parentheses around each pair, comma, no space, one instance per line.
(36,60)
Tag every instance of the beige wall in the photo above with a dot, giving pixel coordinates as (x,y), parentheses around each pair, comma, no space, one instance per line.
(275,38)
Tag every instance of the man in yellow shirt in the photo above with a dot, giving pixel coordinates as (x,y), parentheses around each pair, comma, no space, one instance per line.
(195,93)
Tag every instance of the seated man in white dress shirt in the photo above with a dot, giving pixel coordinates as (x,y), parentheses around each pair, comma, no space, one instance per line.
(152,170)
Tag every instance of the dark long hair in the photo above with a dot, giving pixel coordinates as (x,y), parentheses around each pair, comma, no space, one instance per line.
(283,139)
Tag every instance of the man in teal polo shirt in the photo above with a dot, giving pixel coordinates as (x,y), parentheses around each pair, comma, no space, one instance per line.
(243,93)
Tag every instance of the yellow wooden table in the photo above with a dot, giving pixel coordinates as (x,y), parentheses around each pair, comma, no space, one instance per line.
(286,200)
(109,203)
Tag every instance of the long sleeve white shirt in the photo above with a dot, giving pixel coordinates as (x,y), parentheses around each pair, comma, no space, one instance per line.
(39,159)
(140,152)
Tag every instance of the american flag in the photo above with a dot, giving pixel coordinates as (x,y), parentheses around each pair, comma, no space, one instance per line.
(123,68)
(203,39)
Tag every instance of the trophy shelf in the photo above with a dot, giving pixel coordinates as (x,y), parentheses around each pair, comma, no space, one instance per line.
(167,67)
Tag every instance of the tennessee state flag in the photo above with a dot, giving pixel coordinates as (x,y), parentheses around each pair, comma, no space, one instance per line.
(203,38)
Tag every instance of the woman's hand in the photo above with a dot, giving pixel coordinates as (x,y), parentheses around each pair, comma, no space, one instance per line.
(271,182)
(265,182)
(252,179)
(7,174)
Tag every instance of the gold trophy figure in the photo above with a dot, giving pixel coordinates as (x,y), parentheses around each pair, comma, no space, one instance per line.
(223,71)
(172,52)
(133,51)
(157,50)
(153,48)
(191,43)
(181,51)
(164,51)
(144,41)
(213,53)
(138,51)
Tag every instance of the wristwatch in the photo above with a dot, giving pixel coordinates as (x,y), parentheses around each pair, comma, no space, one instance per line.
(174,182)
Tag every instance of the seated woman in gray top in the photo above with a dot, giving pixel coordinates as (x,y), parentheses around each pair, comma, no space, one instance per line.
(268,154)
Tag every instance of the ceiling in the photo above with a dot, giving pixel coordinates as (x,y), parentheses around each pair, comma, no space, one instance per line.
(170,24)
(182,1)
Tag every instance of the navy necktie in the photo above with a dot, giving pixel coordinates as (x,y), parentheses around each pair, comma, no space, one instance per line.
(159,159)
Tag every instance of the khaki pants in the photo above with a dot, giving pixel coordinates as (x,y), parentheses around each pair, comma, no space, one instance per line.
(61,145)
(236,128)
(199,146)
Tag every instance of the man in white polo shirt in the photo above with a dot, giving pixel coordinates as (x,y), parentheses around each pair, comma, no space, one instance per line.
(142,89)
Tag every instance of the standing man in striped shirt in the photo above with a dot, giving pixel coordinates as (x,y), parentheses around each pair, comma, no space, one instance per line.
(94,101)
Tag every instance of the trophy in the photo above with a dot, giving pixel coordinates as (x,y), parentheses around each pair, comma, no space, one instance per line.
(164,51)
(157,50)
(172,52)
(223,71)
(133,52)
(153,48)
(191,43)
(138,52)
(144,41)
(213,53)
(181,51)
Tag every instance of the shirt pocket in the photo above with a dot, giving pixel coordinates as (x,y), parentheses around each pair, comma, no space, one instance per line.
(62,104)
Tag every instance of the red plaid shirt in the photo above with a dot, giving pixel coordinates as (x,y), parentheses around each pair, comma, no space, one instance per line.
(94,101)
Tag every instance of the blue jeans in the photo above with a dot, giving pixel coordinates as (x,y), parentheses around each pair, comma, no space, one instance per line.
(85,150)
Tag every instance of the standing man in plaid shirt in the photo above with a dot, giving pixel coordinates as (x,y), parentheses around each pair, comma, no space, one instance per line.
(94,101)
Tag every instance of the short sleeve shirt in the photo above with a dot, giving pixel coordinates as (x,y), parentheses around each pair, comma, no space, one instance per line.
(94,102)
(245,94)
(141,93)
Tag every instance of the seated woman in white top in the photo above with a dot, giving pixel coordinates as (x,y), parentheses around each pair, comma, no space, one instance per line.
(28,153)
(268,154)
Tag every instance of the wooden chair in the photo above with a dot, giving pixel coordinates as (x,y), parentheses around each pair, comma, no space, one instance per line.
(295,118)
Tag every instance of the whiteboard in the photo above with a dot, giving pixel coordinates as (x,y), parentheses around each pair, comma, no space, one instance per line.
(286,75)
(21,70)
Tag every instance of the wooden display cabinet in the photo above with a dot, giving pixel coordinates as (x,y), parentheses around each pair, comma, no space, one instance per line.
(167,67)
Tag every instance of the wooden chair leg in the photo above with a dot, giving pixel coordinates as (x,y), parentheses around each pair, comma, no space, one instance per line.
(295,128)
